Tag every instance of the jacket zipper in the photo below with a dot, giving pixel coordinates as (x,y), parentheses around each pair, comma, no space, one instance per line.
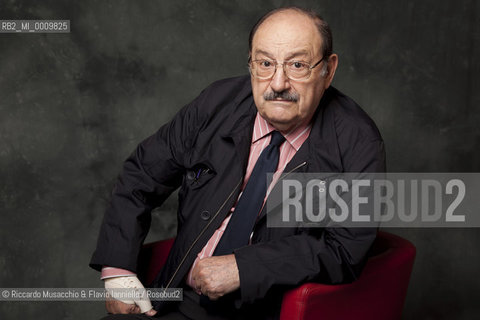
(211,220)
(201,233)
(297,167)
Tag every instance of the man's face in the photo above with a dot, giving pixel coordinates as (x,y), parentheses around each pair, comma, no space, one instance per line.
(286,36)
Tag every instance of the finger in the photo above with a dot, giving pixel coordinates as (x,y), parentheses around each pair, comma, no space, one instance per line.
(113,307)
(108,306)
(214,296)
(144,304)
(134,309)
(151,313)
(124,308)
(118,307)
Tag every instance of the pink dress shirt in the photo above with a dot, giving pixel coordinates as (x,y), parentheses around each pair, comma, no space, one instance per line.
(260,140)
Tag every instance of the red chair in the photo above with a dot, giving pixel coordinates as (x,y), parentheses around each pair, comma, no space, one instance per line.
(378,294)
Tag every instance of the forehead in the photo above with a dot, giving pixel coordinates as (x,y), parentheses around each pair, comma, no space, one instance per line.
(287,32)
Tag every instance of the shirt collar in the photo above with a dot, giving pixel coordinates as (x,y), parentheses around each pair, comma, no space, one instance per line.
(295,137)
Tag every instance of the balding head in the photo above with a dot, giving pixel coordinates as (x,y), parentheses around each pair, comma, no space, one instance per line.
(289,68)
(322,27)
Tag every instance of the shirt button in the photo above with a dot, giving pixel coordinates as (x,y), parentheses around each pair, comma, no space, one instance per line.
(205,215)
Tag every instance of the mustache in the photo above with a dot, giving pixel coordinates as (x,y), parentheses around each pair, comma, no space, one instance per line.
(283,95)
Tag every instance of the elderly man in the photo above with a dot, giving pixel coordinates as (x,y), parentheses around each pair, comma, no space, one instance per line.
(285,117)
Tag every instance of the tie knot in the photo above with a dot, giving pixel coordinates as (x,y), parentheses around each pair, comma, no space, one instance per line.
(277,138)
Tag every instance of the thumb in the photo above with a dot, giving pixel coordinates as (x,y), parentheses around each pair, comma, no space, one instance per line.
(151,313)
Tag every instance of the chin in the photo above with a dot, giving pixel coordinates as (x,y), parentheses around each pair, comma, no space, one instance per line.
(278,116)
(279,113)
(281,123)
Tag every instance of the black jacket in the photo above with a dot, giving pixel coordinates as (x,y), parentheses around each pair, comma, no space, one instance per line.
(214,132)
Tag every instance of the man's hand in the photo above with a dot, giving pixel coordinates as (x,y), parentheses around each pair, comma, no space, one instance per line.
(118,307)
(128,306)
(216,276)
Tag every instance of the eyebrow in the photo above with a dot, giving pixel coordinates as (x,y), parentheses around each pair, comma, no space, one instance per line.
(303,53)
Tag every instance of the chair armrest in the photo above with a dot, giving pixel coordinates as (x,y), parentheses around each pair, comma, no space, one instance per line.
(379,293)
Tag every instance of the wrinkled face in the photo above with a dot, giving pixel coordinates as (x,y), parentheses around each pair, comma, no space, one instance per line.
(285,36)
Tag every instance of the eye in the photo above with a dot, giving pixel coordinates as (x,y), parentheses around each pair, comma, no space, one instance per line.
(266,63)
(298,65)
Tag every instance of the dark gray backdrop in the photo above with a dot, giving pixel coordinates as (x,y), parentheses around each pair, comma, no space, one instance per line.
(73,106)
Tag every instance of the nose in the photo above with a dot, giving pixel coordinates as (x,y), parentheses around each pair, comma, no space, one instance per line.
(280,82)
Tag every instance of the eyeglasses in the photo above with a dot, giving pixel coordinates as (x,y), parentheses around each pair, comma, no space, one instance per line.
(264,69)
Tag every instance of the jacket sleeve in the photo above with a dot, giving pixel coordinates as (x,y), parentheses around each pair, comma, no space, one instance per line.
(329,255)
(151,173)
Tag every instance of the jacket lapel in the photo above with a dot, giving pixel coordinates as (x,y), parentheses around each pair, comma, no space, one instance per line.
(320,151)
(240,134)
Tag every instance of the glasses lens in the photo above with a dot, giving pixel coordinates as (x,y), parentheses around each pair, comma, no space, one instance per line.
(263,69)
(297,70)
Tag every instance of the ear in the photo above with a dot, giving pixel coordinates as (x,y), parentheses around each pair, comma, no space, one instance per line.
(332,67)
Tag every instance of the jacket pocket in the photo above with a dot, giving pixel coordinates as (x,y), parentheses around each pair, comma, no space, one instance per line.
(198,176)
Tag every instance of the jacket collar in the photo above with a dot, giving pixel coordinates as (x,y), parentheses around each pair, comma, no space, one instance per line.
(239,129)
(320,150)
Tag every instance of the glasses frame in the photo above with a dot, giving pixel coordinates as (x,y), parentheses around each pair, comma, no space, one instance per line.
(310,68)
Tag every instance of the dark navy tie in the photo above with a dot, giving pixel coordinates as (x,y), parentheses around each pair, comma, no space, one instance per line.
(240,226)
